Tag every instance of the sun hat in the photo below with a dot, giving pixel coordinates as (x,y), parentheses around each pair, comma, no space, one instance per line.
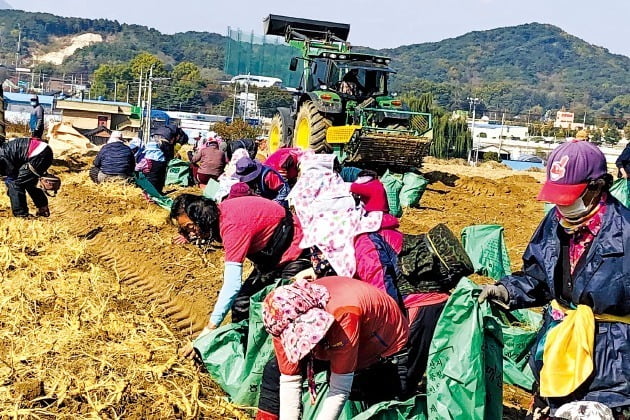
(247,169)
(581,135)
(295,313)
(116,135)
(569,169)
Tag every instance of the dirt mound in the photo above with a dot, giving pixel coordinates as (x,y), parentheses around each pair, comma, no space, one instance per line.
(443,177)
(494,165)
(516,179)
(478,186)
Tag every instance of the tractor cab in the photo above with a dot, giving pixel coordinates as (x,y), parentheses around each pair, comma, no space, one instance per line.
(355,76)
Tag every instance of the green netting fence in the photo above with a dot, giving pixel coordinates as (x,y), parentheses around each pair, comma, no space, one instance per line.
(247,53)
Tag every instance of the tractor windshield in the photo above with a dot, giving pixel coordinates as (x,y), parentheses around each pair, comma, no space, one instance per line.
(370,79)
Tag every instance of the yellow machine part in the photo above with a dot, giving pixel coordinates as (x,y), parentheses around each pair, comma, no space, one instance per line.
(341,133)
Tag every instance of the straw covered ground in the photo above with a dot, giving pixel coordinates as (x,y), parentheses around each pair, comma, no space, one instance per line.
(95,301)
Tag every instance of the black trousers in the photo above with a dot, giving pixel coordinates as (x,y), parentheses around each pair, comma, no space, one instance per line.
(26,181)
(258,280)
(420,335)
(157,174)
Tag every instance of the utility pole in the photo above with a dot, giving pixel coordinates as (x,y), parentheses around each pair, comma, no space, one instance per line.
(147,127)
(140,90)
(234,101)
(473,104)
(115,90)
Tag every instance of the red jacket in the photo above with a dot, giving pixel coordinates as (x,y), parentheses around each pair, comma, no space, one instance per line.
(373,195)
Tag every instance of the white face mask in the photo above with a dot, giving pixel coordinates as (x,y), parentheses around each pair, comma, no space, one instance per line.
(33,103)
(574,210)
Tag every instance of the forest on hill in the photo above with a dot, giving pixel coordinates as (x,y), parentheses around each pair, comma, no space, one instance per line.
(531,68)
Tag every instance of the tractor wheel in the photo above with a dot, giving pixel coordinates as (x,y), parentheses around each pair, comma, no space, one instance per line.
(277,134)
(310,128)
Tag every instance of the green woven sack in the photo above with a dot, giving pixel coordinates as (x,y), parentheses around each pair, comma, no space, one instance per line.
(393,183)
(413,187)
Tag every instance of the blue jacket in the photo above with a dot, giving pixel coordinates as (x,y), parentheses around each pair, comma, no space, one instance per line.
(115,159)
(601,281)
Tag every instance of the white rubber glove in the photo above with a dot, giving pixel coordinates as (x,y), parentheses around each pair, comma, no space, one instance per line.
(340,386)
(290,397)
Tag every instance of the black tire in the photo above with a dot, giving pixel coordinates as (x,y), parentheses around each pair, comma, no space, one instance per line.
(317,123)
(277,134)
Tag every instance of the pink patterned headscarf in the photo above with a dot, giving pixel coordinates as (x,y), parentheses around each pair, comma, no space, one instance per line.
(328,213)
(296,314)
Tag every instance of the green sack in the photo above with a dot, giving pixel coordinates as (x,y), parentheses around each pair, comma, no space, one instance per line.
(178,173)
(621,191)
(486,247)
(237,370)
(393,183)
(519,332)
(547,207)
(155,196)
(464,372)
(413,187)
(414,408)
(211,189)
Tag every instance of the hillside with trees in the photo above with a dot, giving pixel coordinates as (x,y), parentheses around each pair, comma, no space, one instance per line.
(526,69)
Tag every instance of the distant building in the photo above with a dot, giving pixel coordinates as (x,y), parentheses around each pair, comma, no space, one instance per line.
(484,131)
(21,102)
(91,114)
(566,119)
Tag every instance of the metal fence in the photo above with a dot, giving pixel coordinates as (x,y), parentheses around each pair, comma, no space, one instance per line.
(247,53)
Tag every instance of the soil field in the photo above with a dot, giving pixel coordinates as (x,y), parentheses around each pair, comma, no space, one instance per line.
(95,301)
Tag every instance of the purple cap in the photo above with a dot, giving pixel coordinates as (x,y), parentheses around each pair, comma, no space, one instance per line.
(247,169)
(569,169)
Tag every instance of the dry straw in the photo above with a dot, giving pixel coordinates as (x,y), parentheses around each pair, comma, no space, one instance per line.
(75,344)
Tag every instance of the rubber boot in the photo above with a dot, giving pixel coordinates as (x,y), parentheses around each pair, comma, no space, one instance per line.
(264,415)
(43,212)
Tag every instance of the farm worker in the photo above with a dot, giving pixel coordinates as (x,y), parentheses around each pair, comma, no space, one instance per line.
(251,228)
(263,180)
(168,136)
(348,324)
(115,161)
(152,163)
(350,84)
(200,142)
(251,146)
(210,162)
(36,123)
(578,261)
(623,163)
(370,191)
(23,161)
(285,161)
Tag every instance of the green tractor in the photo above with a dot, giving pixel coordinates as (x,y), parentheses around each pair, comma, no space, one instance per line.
(342,103)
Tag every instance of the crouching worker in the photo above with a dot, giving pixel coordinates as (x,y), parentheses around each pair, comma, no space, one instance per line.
(249,227)
(578,261)
(357,329)
(263,180)
(23,161)
(115,161)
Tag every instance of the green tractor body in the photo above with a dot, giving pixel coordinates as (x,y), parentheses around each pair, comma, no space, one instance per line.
(343,103)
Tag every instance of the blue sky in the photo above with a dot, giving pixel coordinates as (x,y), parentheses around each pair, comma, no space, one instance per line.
(378,24)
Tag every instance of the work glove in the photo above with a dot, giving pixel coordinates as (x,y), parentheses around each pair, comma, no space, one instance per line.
(494,292)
